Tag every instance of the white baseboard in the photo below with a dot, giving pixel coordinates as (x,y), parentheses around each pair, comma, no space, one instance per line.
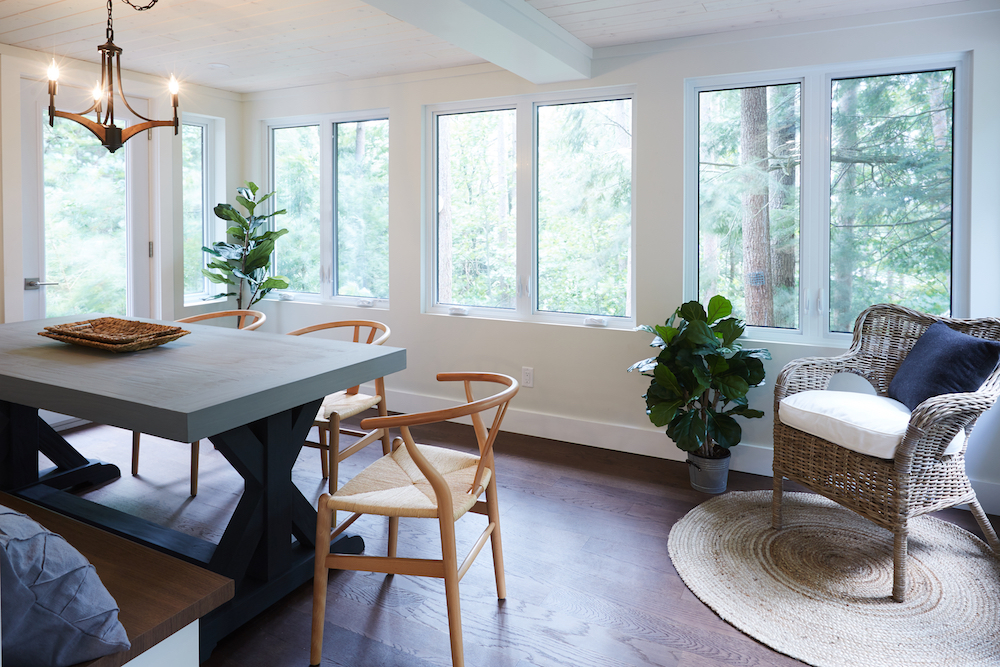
(755,458)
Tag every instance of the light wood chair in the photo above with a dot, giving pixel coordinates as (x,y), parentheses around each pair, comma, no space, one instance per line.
(426,482)
(248,320)
(921,477)
(348,403)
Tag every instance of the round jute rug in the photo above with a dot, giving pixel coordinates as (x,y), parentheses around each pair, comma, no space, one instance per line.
(819,590)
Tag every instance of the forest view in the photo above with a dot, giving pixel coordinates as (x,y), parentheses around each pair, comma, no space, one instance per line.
(584,208)
(84,219)
(890,197)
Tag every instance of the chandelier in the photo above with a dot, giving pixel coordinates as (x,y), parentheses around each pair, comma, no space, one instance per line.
(103,126)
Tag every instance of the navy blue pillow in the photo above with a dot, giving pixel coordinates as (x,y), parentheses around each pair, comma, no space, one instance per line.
(943,361)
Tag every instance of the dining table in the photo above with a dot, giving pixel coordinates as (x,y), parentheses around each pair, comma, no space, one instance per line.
(254,395)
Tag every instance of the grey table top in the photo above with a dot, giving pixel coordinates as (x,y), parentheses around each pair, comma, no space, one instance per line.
(207,382)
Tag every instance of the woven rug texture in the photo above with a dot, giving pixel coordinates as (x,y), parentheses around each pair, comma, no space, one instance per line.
(819,590)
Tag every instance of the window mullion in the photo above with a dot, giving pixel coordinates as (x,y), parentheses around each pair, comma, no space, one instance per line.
(527,188)
(327,210)
(814,272)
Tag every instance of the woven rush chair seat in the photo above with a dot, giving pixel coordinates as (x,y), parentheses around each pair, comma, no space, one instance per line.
(394,485)
(923,472)
(246,320)
(348,403)
(425,482)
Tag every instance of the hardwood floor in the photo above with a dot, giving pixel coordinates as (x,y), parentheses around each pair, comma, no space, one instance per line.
(589,582)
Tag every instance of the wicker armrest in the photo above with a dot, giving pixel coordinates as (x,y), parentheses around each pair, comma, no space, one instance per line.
(937,420)
(812,373)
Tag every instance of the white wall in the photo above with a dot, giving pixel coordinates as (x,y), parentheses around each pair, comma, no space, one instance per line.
(582,392)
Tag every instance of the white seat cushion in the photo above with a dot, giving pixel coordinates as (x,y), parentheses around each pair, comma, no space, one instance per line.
(872,425)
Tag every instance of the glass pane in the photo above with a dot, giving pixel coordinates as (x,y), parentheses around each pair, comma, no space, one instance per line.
(890,194)
(86,248)
(296,179)
(476,220)
(193,177)
(585,207)
(748,201)
(363,209)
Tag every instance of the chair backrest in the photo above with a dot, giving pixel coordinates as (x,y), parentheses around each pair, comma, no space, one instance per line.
(246,319)
(474,408)
(884,335)
(365,331)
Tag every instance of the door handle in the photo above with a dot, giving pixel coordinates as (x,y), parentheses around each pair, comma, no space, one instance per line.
(33,283)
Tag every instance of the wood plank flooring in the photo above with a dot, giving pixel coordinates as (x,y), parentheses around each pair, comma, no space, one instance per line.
(589,582)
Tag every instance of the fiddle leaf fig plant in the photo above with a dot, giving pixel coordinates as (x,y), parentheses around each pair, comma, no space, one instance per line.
(245,264)
(701,377)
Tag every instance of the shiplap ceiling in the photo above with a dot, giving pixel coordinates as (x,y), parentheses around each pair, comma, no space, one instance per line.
(255,45)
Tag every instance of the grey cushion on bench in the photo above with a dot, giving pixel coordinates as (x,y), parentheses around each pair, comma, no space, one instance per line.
(55,611)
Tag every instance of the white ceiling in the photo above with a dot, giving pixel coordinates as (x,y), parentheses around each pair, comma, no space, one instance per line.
(254,45)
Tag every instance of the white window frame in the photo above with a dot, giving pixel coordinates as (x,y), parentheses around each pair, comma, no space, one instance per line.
(327,203)
(526,209)
(213,229)
(814,201)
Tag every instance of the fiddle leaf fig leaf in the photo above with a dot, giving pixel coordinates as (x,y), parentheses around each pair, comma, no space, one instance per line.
(718,307)
(662,413)
(724,430)
(687,431)
(692,311)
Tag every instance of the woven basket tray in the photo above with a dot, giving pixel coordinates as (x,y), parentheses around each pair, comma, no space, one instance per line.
(111,333)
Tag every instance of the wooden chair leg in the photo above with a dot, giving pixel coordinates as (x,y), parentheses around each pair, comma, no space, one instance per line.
(493,512)
(776,501)
(324,522)
(450,561)
(195,452)
(393,535)
(334,452)
(135,452)
(985,525)
(324,451)
(899,563)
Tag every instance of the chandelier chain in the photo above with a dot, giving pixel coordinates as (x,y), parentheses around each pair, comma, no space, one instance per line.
(111,29)
(138,7)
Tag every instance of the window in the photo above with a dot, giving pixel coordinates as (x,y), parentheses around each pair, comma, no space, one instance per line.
(295,173)
(533,210)
(194,174)
(335,192)
(361,190)
(823,193)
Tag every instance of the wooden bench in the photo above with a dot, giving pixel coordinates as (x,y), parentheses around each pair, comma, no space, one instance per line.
(160,597)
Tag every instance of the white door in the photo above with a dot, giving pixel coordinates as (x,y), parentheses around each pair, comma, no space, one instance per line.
(86,213)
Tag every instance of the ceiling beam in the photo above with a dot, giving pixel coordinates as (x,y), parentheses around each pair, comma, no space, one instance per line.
(509,33)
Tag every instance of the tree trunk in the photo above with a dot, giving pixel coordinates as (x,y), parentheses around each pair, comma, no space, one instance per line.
(757,286)
(783,146)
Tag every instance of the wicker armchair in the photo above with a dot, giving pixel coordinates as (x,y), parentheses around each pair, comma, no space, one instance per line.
(919,479)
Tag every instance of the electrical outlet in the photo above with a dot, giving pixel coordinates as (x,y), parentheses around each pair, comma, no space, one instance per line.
(527,376)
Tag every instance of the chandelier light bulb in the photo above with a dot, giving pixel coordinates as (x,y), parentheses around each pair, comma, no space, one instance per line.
(97,92)
(53,71)
(173,86)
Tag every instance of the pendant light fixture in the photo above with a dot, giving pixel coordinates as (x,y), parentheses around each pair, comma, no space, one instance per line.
(103,126)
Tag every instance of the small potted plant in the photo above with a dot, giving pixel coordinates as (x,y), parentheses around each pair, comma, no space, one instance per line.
(245,264)
(699,385)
